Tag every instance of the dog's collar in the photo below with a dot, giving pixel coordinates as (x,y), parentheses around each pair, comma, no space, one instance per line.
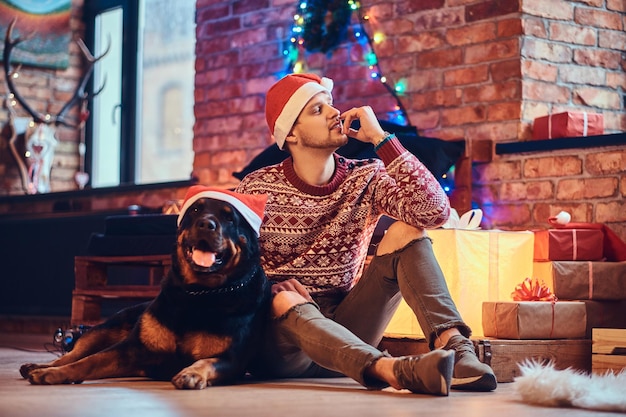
(222,290)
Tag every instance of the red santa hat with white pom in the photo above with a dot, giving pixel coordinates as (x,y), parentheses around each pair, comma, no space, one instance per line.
(286,99)
(251,207)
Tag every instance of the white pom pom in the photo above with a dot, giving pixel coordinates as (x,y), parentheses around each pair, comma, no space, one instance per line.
(563,217)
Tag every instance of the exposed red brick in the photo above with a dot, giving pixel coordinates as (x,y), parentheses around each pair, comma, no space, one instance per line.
(597,97)
(490,9)
(611,39)
(466,76)
(504,111)
(615,5)
(246,6)
(442,18)
(493,92)
(574,34)
(473,34)
(440,58)
(412,6)
(509,27)
(548,51)
(463,115)
(492,51)
(598,18)
(614,211)
(505,70)
(527,190)
(501,131)
(598,58)
(586,188)
(498,171)
(559,166)
(547,92)
(582,75)
(424,80)
(532,26)
(419,42)
(545,9)
(602,163)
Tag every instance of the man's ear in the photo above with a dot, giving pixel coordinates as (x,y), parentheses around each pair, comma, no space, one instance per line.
(291,138)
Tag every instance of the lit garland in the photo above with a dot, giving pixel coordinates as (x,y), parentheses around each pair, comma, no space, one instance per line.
(311,32)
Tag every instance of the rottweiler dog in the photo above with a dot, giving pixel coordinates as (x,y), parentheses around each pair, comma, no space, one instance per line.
(203,327)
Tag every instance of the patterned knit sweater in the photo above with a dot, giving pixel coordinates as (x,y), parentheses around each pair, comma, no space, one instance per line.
(320,234)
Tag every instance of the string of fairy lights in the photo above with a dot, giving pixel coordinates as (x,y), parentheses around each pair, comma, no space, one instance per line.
(312,32)
(321,26)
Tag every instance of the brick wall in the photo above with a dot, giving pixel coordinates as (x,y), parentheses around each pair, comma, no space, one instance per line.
(479,70)
(519,191)
(47,90)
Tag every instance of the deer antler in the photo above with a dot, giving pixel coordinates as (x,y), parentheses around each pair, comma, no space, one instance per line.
(10,75)
(79,94)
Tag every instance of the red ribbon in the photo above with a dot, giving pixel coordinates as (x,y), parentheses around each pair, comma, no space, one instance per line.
(532,290)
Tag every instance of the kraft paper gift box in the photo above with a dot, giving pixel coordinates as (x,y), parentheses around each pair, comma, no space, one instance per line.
(583,280)
(534,319)
(569,245)
(478,265)
(568,125)
(605,314)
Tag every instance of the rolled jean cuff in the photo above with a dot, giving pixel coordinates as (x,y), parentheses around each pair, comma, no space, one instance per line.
(463,328)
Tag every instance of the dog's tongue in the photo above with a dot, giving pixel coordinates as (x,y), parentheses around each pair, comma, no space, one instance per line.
(205,259)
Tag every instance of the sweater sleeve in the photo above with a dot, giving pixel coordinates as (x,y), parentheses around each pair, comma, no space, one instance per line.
(406,190)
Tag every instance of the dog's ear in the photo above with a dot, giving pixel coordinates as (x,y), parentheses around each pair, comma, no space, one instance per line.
(248,240)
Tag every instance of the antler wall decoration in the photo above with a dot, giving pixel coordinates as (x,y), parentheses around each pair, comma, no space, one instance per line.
(40,141)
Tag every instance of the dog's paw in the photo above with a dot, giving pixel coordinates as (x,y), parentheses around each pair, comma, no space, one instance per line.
(187,379)
(26,369)
(48,376)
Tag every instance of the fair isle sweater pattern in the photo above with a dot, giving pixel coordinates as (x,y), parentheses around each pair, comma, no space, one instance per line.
(320,235)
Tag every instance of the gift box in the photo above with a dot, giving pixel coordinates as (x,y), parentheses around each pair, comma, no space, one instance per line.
(568,125)
(534,319)
(478,265)
(569,245)
(581,280)
(605,314)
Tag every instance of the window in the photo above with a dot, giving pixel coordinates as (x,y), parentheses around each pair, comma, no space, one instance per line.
(141,126)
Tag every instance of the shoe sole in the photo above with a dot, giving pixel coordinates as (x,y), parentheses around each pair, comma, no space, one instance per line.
(485,382)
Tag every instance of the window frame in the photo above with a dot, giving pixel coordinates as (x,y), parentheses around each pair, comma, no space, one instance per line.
(128,113)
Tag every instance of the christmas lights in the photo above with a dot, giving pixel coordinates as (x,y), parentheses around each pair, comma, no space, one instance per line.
(321,26)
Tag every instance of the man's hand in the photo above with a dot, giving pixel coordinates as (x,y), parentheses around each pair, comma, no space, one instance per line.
(291,285)
(370,130)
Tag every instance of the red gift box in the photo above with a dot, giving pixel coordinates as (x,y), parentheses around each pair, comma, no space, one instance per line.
(569,245)
(567,125)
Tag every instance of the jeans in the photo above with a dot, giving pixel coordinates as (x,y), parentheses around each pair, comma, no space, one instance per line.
(338,336)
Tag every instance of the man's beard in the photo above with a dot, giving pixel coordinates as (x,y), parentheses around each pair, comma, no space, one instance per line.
(330,142)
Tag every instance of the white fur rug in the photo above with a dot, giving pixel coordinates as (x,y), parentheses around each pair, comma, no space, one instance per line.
(544,385)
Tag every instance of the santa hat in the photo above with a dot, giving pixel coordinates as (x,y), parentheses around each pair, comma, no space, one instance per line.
(250,206)
(286,99)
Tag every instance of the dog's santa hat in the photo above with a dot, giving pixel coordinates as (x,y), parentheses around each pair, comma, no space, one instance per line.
(286,99)
(251,207)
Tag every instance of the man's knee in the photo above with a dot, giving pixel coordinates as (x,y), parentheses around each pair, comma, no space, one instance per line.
(397,236)
(285,300)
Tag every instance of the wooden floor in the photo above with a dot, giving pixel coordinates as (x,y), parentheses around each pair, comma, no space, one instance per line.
(302,398)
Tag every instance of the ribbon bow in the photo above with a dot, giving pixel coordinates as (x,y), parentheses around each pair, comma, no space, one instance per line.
(468,221)
(532,290)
